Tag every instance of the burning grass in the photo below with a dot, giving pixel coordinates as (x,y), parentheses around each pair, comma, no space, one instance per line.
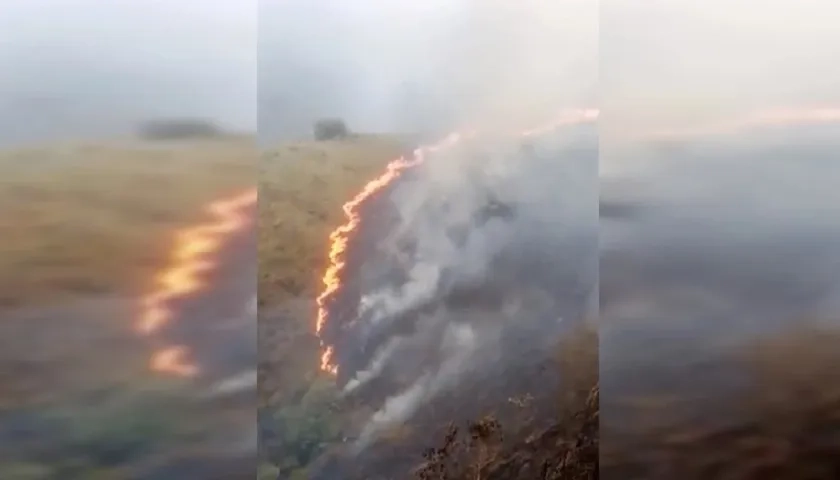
(85,228)
(302,187)
(500,425)
(301,190)
(94,219)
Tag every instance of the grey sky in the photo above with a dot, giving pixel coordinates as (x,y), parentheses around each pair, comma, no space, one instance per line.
(670,62)
(88,67)
(385,65)
(97,67)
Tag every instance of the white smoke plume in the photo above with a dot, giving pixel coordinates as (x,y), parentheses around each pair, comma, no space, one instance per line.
(390,301)
(377,365)
(458,343)
(437,209)
(451,248)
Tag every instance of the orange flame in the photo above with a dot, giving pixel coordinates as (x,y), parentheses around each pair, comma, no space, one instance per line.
(340,237)
(173,360)
(192,255)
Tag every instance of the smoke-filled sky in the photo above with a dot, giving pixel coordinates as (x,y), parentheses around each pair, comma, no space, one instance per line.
(85,67)
(669,62)
(96,68)
(398,66)
(740,236)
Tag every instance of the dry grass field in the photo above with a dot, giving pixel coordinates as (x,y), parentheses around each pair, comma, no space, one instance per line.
(85,227)
(302,187)
(91,219)
(787,412)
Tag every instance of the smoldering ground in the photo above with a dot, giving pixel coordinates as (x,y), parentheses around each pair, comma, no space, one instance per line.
(489,254)
(729,242)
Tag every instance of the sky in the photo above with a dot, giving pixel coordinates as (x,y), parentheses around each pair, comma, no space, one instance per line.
(671,62)
(436,65)
(94,68)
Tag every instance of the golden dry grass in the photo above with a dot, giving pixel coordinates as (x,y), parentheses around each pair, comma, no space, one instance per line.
(81,219)
(786,424)
(302,188)
(86,219)
(78,220)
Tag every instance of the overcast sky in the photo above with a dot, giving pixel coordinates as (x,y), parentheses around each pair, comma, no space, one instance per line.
(89,67)
(97,67)
(385,65)
(680,61)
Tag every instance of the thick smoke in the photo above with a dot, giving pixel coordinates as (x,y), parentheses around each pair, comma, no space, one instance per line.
(496,233)
(487,242)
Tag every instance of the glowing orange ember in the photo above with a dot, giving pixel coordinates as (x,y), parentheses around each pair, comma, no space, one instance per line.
(173,360)
(340,237)
(193,254)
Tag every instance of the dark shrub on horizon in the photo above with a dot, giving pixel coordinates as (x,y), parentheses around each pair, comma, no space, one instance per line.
(330,129)
(179,129)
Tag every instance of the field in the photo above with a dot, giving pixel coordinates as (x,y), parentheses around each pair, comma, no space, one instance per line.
(93,219)
(302,188)
(782,424)
(85,226)
(778,420)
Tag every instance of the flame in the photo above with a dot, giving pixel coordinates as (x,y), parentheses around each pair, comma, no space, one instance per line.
(173,360)
(192,256)
(341,236)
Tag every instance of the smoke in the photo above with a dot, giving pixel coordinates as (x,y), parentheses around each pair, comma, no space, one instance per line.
(459,341)
(423,279)
(377,366)
(478,227)
(721,59)
(488,249)
(731,240)
(445,64)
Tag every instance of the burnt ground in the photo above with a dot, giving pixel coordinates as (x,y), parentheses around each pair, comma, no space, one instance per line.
(309,432)
(78,400)
(719,317)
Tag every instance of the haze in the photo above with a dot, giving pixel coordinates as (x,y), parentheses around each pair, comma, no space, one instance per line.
(93,68)
(666,63)
(422,66)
